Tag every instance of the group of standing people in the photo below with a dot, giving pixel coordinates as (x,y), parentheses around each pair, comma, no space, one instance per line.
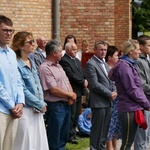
(53,86)
(28,93)
(130,92)
(131,77)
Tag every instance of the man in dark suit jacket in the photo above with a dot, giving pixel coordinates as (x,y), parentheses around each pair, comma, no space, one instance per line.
(102,92)
(74,71)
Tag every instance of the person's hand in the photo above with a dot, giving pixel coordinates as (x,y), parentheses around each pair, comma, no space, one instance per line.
(85,83)
(73,96)
(113,95)
(43,109)
(17,110)
(70,101)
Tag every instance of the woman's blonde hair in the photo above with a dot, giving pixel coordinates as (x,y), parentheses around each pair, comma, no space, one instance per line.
(129,45)
(18,41)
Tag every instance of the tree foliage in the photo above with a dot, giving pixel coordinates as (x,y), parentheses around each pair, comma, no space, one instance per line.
(141,17)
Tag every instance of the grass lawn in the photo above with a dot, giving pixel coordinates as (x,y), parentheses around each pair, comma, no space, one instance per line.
(83,143)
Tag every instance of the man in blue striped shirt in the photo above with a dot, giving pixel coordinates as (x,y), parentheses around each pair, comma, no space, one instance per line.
(11,89)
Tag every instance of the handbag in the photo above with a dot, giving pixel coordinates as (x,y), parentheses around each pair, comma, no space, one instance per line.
(140,119)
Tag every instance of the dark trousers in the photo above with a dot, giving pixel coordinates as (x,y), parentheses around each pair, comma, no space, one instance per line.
(100,124)
(75,112)
(128,129)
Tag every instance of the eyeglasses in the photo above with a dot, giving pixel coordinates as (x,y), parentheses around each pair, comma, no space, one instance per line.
(30,42)
(6,31)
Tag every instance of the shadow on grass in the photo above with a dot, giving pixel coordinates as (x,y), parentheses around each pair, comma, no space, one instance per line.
(83,144)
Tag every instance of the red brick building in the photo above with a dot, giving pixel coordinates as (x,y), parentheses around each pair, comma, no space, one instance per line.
(92,20)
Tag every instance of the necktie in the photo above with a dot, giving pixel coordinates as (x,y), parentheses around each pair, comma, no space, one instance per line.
(74,60)
(103,65)
(148,60)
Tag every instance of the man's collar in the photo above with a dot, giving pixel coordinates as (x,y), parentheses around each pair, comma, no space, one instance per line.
(39,49)
(144,56)
(70,56)
(100,60)
(51,63)
(7,48)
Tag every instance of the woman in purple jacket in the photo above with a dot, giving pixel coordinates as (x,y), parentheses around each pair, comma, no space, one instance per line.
(130,92)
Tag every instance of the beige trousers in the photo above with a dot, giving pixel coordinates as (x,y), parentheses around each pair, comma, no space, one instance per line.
(8,129)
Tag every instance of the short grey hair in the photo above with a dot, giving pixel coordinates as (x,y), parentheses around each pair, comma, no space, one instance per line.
(100,42)
(51,46)
(69,45)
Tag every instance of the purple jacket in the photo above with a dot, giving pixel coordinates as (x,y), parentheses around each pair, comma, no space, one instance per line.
(129,88)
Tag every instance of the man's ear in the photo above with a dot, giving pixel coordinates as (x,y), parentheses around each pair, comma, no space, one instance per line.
(54,53)
(141,46)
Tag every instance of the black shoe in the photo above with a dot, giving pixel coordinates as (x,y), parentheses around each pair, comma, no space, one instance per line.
(77,138)
(73,141)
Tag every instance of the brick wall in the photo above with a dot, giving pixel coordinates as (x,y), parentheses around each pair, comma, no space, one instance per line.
(92,20)
(29,15)
(123,21)
(96,20)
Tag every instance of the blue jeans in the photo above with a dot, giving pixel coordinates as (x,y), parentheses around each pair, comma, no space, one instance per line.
(58,121)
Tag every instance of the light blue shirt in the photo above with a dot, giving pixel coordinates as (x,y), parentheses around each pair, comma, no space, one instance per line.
(11,89)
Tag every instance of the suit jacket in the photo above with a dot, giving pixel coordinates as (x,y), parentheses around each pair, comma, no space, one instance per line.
(101,87)
(74,73)
(37,56)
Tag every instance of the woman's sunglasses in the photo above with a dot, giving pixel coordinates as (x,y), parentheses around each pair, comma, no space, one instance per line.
(30,42)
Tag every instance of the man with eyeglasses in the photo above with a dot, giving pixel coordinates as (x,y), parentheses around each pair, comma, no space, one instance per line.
(11,89)
(102,93)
